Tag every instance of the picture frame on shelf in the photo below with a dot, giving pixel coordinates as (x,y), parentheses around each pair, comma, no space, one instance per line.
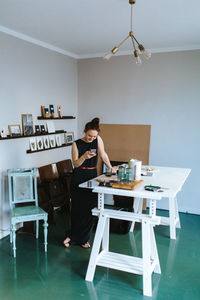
(59,111)
(69,137)
(27,124)
(33,144)
(46,112)
(58,140)
(43,111)
(15,130)
(42,129)
(46,142)
(52,141)
(3,133)
(51,110)
(37,129)
(40,145)
(50,126)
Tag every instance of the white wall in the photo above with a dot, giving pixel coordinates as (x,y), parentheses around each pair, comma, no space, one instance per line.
(31,76)
(163,92)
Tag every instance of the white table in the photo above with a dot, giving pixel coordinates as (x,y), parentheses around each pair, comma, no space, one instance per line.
(170,178)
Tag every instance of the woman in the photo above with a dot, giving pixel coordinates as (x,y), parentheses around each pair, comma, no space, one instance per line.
(85,153)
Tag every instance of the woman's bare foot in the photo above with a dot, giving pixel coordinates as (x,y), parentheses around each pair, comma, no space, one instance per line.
(66,242)
(86,245)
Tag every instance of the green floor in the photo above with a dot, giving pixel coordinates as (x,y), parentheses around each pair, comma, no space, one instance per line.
(60,274)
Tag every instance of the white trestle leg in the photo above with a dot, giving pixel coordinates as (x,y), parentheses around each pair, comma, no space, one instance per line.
(172,218)
(144,266)
(146,253)
(149,253)
(178,224)
(105,239)
(95,248)
(137,208)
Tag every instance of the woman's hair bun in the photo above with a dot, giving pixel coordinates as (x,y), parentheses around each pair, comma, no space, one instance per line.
(94,125)
(95,121)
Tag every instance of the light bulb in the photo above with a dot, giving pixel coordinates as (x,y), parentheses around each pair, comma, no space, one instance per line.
(108,55)
(146,53)
(138,60)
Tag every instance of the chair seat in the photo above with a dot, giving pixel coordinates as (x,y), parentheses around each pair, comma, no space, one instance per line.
(26,211)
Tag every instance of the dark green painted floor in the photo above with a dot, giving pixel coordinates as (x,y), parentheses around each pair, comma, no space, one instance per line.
(60,274)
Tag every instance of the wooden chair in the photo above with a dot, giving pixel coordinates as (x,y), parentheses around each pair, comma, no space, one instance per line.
(53,185)
(23,189)
(65,170)
(64,167)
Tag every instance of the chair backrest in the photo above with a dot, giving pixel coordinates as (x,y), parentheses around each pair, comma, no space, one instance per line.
(64,167)
(48,172)
(22,186)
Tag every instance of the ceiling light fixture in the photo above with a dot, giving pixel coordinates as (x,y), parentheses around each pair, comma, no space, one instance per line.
(146,53)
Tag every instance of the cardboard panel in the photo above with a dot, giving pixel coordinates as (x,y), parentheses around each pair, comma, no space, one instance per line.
(123,142)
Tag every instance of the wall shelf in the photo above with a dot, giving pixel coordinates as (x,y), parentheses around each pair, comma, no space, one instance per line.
(31,135)
(57,118)
(63,145)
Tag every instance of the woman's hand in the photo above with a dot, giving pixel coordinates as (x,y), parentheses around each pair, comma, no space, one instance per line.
(114,169)
(88,154)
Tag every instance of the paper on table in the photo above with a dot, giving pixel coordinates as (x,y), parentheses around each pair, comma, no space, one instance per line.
(148,171)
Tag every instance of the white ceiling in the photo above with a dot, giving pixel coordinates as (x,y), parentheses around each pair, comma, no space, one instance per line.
(89,28)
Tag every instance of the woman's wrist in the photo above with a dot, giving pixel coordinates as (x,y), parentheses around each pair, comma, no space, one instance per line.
(83,157)
(80,161)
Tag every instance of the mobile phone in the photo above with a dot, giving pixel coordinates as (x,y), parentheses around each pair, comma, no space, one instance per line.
(93,151)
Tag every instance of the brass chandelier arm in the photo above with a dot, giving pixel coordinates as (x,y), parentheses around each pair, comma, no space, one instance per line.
(116,48)
(123,41)
(132,39)
(136,40)
(140,46)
